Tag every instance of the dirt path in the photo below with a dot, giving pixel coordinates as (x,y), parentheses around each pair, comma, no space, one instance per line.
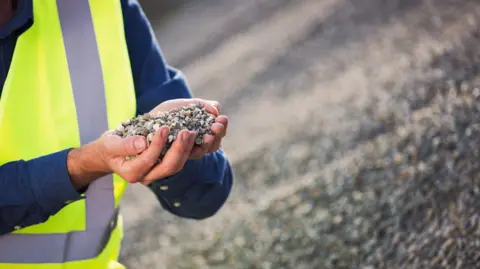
(307,85)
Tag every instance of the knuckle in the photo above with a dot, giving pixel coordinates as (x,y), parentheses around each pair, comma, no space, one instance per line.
(197,100)
(217,105)
(167,172)
(178,169)
(130,179)
(126,148)
(171,170)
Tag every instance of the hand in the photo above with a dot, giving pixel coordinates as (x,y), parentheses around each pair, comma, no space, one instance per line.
(144,168)
(107,155)
(211,143)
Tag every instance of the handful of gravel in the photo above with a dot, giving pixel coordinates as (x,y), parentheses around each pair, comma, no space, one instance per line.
(193,117)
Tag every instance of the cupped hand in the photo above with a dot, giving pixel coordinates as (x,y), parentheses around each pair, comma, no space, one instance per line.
(211,142)
(144,168)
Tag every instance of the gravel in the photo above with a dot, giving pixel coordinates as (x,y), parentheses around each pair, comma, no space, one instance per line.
(193,118)
(407,198)
(387,179)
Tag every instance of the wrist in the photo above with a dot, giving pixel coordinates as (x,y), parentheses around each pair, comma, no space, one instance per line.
(85,164)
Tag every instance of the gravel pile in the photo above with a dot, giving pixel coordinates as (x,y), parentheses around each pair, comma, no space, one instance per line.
(192,117)
(382,176)
(408,198)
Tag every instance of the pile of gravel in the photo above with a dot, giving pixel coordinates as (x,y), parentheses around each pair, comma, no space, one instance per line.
(193,118)
(408,198)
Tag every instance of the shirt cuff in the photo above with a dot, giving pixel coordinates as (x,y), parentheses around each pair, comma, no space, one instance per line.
(173,189)
(190,187)
(51,182)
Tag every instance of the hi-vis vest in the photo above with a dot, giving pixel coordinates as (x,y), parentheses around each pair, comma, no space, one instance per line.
(69,81)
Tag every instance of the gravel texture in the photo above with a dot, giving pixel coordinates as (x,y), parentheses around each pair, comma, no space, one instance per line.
(366,123)
(193,118)
(408,198)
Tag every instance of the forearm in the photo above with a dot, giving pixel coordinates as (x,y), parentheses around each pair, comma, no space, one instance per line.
(32,191)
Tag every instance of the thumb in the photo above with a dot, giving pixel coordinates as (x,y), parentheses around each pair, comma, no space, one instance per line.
(129,146)
(212,107)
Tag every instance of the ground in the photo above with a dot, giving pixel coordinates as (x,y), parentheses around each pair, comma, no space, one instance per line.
(354,134)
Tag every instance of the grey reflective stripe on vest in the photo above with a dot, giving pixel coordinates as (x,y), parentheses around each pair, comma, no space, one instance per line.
(89,94)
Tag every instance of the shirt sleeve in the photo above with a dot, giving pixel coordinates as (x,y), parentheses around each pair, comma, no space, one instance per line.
(203,185)
(32,191)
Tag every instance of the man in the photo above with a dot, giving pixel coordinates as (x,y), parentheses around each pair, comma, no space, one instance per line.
(70,71)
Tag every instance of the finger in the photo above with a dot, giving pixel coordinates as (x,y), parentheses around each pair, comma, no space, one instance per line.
(196,153)
(216,145)
(223,120)
(218,129)
(210,108)
(199,151)
(129,146)
(216,105)
(147,159)
(174,159)
(207,142)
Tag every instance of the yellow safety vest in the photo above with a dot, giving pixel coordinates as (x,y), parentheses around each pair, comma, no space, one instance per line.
(69,81)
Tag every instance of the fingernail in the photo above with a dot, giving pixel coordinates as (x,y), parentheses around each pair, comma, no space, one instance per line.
(193,136)
(186,137)
(139,144)
(165,133)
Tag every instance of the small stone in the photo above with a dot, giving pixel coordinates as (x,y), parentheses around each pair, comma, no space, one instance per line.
(218,256)
(299,151)
(436,260)
(422,167)
(150,137)
(199,260)
(397,158)
(150,125)
(337,219)
(476,92)
(357,196)
(278,248)
(321,215)
(239,241)
(303,210)
(128,158)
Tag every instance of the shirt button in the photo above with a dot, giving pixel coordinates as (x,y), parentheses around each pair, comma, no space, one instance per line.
(176,204)
(17,227)
(164,188)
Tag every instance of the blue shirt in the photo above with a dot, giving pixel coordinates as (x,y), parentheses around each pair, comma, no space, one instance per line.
(32,191)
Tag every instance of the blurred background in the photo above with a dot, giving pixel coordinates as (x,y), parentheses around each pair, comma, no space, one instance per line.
(354,135)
